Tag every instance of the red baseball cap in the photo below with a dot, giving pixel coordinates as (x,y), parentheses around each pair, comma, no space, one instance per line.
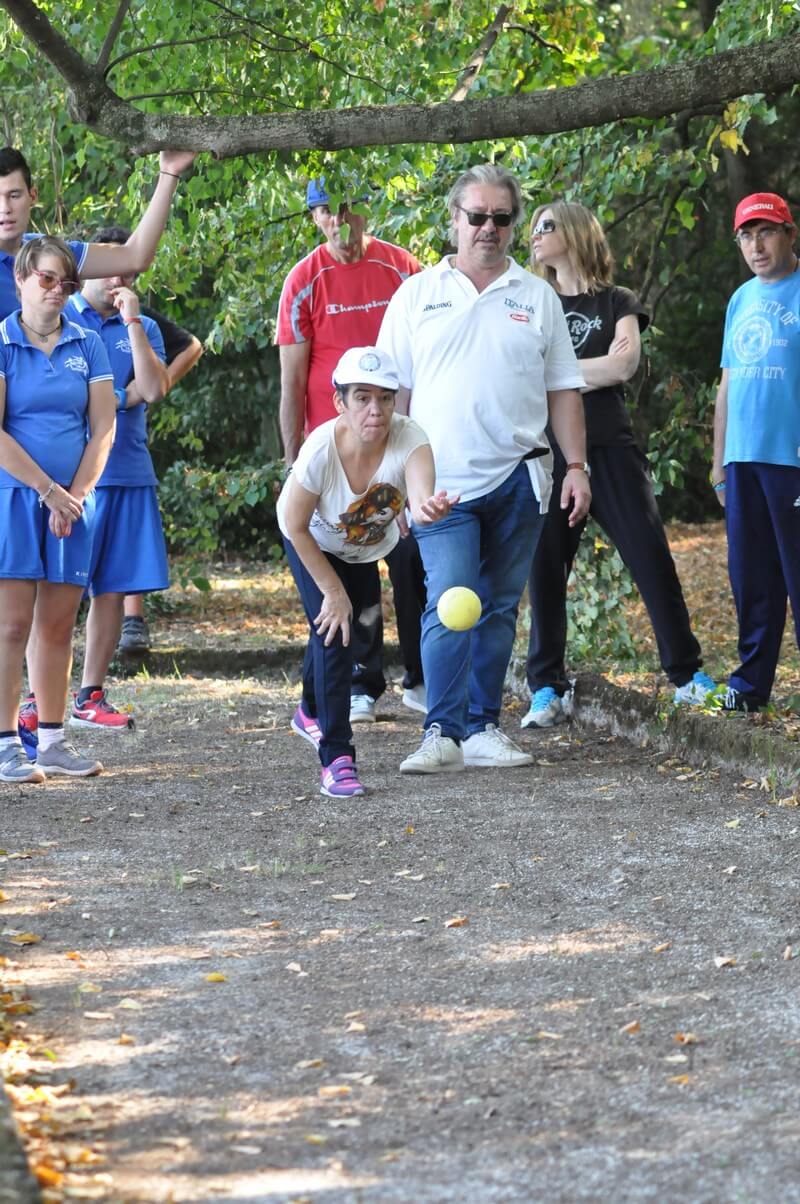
(762,207)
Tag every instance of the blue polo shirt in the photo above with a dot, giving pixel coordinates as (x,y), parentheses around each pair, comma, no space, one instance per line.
(129,462)
(9,301)
(47,399)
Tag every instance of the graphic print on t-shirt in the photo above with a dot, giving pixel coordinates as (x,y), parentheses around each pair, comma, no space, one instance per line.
(580,327)
(366,520)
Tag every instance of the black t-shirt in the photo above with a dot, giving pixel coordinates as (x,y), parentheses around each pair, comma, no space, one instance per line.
(176,339)
(592,320)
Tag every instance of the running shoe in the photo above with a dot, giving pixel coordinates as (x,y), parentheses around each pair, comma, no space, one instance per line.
(98,712)
(547,708)
(306,727)
(135,635)
(63,757)
(362,708)
(696,691)
(491,747)
(340,779)
(29,714)
(15,766)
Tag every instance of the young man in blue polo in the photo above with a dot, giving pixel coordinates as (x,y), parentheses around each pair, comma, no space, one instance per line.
(18,195)
(756,471)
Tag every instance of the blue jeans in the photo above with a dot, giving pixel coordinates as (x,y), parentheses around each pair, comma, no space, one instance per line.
(486,544)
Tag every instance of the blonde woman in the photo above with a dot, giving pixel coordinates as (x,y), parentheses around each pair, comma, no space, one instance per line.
(569,249)
(55,385)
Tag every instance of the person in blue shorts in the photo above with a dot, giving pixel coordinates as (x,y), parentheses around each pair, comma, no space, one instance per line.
(18,195)
(128,550)
(55,386)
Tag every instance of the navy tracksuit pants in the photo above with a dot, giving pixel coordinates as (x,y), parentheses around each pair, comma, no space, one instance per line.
(762,515)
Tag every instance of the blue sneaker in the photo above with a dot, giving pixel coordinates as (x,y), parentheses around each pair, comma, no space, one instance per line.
(548,708)
(695,692)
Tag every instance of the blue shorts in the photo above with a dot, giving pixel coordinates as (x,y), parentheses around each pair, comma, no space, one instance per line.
(28,549)
(129,555)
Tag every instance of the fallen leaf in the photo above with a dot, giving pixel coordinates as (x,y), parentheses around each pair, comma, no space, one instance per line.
(344,898)
(3,897)
(680,1080)
(676,1058)
(788,953)
(310,1064)
(456,922)
(721,962)
(501,886)
(544,1035)
(731,869)
(136,815)
(99,1015)
(126,1039)
(295,967)
(89,988)
(633,1027)
(345,1122)
(215,976)
(685,1038)
(410,830)
(420,919)
(74,956)
(270,924)
(249,869)
(246,1149)
(401,873)
(662,948)
(355,1026)
(733,823)
(334,1090)
(25,938)
(130,1005)
(316,1138)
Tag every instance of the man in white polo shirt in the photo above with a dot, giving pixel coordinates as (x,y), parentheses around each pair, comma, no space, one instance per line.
(483,346)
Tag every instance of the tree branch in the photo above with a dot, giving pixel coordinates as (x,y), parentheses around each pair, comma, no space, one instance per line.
(645,94)
(111,36)
(131,54)
(537,37)
(470,73)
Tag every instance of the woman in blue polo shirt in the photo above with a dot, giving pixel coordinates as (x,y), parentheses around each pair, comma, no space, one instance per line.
(55,382)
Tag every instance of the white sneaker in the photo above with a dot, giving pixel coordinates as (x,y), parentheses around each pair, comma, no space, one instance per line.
(416,699)
(436,754)
(362,708)
(547,708)
(492,747)
(696,691)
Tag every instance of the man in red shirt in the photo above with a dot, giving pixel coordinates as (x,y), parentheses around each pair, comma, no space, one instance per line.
(334,299)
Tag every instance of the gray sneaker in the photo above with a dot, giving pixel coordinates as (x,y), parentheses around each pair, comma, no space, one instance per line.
(15,766)
(63,757)
(135,636)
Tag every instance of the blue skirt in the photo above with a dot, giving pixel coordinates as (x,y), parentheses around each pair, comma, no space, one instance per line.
(28,549)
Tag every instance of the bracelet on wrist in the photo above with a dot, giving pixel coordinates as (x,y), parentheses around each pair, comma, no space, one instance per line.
(174,175)
(42,497)
(130,321)
(720,485)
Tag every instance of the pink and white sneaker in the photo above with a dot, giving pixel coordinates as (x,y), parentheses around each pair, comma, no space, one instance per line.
(340,779)
(306,727)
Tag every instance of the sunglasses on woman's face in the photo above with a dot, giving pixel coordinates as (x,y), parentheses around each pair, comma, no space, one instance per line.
(49,281)
(546,226)
(476,217)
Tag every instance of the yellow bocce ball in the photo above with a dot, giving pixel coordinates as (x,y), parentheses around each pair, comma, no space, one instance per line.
(459,608)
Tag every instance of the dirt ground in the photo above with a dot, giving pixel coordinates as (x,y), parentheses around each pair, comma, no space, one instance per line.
(564,983)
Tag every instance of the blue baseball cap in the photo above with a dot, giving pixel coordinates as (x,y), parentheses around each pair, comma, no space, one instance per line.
(316,193)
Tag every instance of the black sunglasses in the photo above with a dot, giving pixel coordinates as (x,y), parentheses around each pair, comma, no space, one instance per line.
(546,226)
(477,218)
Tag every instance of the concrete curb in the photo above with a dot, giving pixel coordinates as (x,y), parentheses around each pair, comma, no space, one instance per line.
(17,1184)
(735,742)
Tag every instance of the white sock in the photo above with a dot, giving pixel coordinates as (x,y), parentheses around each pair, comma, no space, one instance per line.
(49,736)
(8,742)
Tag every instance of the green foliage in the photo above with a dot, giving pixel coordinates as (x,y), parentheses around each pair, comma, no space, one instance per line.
(596,627)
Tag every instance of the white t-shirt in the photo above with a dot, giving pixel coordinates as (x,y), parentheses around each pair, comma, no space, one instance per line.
(354,526)
(479,366)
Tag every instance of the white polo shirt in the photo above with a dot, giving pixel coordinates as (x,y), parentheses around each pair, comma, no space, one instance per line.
(479,366)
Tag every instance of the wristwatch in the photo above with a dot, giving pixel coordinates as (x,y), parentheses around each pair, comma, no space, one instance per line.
(584,467)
